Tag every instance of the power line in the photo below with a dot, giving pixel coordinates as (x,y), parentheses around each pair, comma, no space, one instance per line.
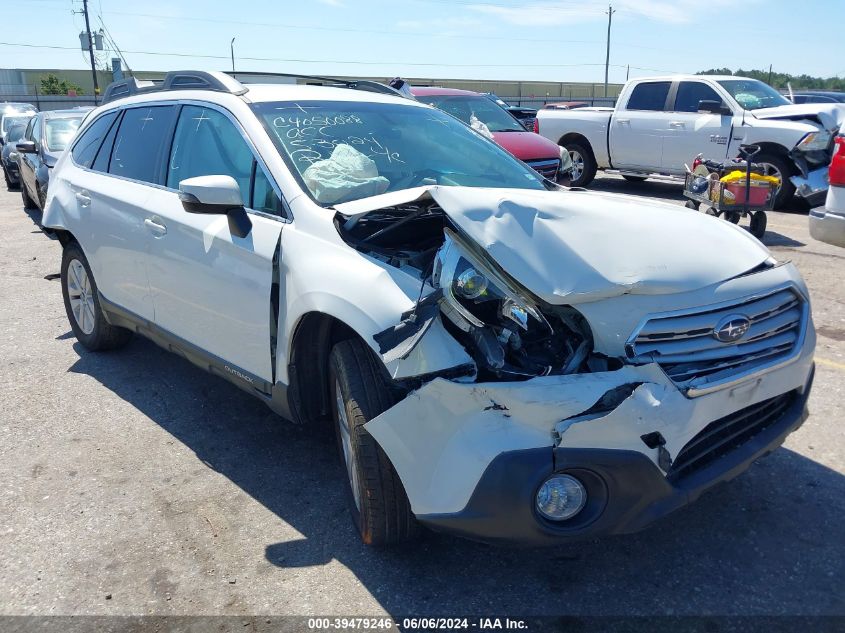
(321,61)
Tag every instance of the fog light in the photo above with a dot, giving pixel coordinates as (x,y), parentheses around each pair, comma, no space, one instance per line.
(561,497)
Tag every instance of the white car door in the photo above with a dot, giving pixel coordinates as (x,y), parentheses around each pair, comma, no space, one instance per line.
(690,132)
(637,128)
(112,185)
(212,289)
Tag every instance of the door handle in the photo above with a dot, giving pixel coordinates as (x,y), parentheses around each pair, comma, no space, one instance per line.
(623,121)
(155,227)
(676,124)
(82,198)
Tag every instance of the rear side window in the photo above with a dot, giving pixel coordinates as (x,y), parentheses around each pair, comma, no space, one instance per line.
(207,143)
(140,141)
(649,96)
(86,147)
(690,93)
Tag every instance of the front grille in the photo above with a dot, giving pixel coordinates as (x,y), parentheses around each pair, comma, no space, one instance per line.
(546,168)
(686,348)
(728,434)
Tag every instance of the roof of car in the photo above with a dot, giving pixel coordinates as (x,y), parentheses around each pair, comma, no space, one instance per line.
(269,92)
(431,91)
(66,114)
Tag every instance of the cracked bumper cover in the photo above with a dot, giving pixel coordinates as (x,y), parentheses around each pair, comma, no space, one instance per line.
(627,490)
(472,455)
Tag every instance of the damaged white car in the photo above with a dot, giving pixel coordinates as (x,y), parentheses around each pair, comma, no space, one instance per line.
(499,358)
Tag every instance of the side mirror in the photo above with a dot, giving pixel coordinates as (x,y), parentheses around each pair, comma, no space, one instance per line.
(713,107)
(26,147)
(216,195)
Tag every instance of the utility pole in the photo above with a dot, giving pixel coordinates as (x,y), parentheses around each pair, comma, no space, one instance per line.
(232,50)
(610,12)
(91,50)
(770,75)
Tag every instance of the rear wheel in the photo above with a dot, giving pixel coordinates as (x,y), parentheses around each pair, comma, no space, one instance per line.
(82,304)
(583,164)
(634,178)
(360,392)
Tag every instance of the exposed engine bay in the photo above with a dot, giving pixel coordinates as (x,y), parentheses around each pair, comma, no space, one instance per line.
(509,333)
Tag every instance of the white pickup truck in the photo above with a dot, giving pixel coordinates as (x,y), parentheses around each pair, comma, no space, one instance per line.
(660,123)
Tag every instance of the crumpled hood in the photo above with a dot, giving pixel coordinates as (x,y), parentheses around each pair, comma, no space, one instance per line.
(569,247)
(828,115)
(579,246)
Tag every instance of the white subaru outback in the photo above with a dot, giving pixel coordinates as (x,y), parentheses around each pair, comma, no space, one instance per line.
(500,358)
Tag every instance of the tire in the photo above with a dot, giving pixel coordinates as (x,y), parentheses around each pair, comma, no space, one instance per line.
(82,304)
(634,178)
(690,204)
(27,201)
(582,156)
(784,169)
(758,224)
(377,500)
(733,216)
(9,183)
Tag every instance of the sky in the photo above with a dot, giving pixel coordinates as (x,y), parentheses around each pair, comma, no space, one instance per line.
(548,40)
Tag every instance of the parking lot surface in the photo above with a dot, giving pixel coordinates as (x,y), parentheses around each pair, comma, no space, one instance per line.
(134,483)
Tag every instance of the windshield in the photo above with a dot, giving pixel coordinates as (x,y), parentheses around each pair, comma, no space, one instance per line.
(752,94)
(60,132)
(348,150)
(464,106)
(10,121)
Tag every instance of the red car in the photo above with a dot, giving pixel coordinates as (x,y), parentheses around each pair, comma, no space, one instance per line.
(538,152)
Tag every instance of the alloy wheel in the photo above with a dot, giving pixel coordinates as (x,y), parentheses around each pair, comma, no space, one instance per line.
(577,164)
(346,444)
(81,297)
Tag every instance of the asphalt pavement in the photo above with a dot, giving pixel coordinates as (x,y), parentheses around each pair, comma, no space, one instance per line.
(134,483)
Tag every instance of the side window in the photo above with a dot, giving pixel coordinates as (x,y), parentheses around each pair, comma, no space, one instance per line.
(649,96)
(140,141)
(690,93)
(207,143)
(101,162)
(36,131)
(85,149)
(264,197)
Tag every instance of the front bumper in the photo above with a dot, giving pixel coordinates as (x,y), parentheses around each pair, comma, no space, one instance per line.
(626,491)
(828,227)
(811,185)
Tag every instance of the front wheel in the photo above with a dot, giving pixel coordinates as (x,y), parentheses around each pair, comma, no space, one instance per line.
(758,224)
(360,392)
(82,304)
(583,165)
(27,201)
(774,165)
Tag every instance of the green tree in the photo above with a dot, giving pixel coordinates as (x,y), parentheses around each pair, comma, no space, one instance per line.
(51,85)
(780,80)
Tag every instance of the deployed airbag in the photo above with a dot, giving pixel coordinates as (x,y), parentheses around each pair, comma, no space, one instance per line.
(347,173)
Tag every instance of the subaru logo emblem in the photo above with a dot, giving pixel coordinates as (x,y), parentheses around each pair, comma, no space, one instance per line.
(731,328)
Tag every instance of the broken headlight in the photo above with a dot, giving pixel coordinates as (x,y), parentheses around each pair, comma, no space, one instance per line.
(505,330)
(814,141)
(478,296)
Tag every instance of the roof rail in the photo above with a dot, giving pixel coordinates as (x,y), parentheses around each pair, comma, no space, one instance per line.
(354,84)
(176,80)
(126,87)
(227,82)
